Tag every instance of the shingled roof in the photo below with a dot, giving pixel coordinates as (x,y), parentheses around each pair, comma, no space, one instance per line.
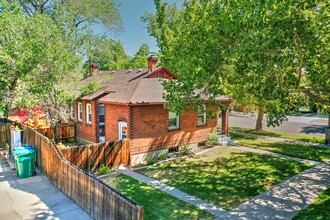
(130,87)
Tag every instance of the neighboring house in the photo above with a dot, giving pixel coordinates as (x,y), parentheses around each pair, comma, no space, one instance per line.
(130,105)
(34,117)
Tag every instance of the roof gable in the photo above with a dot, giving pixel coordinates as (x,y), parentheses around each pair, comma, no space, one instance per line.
(161,72)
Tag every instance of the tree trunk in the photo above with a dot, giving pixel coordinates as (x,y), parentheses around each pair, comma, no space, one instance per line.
(260,118)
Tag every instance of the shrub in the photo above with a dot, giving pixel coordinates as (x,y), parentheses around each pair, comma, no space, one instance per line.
(212,139)
(152,160)
(185,149)
(162,157)
(104,170)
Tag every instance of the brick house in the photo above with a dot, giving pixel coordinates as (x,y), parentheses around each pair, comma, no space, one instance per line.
(130,105)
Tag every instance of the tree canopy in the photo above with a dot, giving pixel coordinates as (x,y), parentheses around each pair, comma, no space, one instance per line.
(261,53)
(141,56)
(42,48)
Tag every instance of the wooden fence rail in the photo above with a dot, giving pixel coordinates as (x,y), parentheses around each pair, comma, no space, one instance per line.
(64,131)
(90,193)
(91,157)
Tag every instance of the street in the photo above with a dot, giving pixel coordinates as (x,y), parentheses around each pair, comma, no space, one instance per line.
(310,124)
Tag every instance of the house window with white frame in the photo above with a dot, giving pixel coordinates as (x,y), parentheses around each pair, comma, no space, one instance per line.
(72,111)
(173,120)
(201,117)
(88,114)
(79,111)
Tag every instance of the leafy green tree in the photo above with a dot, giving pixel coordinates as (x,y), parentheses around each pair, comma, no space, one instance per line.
(108,53)
(19,52)
(141,56)
(258,52)
(82,12)
(39,62)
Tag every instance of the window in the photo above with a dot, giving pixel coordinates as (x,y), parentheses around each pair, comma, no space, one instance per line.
(79,111)
(101,114)
(201,118)
(72,111)
(173,120)
(88,113)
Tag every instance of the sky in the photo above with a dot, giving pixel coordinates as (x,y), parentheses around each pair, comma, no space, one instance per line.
(135,32)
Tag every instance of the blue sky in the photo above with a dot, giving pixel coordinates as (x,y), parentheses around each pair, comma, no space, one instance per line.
(135,32)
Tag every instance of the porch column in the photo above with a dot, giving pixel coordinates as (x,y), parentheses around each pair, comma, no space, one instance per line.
(224,121)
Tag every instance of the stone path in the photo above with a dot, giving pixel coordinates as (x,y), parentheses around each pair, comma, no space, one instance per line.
(286,199)
(176,193)
(34,198)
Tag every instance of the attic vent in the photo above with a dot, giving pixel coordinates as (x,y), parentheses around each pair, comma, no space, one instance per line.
(161,74)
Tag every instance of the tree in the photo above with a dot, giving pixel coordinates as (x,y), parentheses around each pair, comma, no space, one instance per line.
(255,51)
(110,54)
(39,61)
(86,12)
(19,52)
(141,56)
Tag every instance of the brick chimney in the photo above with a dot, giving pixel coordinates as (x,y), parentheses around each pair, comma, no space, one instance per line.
(94,68)
(152,62)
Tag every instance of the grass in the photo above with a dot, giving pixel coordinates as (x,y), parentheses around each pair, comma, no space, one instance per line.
(294,136)
(224,176)
(287,148)
(319,209)
(156,204)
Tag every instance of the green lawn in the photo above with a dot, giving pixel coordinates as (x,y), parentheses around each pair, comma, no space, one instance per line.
(287,148)
(224,176)
(156,204)
(319,209)
(294,136)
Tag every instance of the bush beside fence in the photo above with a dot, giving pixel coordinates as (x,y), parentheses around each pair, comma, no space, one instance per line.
(93,195)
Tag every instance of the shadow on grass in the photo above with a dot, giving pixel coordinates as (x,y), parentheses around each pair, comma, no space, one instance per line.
(242,137)
(156,204)
(297,150)
(227,182)
(253,131)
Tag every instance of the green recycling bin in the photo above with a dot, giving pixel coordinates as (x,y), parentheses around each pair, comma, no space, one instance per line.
(24,160)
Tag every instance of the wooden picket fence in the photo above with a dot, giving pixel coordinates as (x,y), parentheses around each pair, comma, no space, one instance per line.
(91,157)
(65,132)
(90,193)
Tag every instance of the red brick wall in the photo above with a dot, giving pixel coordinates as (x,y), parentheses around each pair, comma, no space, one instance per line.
(84,130)
(150,129)
(113,114)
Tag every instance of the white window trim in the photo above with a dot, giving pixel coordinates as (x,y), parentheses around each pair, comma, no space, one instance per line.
(88,112)
(79,111)
(72,111)
(204,115)
(177,122)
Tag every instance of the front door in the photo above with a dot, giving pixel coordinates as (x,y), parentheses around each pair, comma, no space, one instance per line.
(122,130)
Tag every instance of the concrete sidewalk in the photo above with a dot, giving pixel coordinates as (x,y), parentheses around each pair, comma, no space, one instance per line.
(286,199)
(176,193)
(34,198)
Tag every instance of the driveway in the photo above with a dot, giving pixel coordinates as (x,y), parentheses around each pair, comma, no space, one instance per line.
(34,198)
